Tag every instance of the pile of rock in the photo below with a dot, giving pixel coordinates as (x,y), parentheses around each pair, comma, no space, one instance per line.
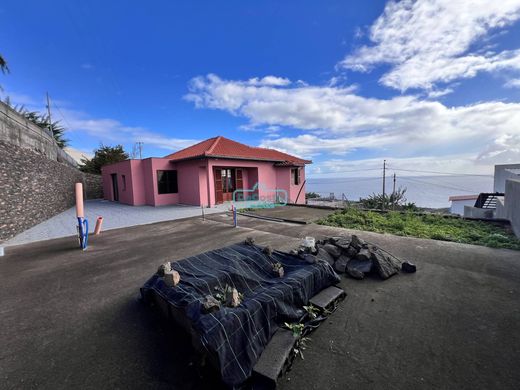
(356,258)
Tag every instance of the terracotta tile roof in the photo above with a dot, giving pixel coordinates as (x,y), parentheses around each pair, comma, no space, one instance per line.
(225,148)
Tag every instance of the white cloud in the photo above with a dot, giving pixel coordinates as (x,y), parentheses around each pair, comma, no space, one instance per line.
(408,166)
(436,93)
(106,130)
(334,120)
(269,80)
(111,130)
(513,83)
(430,41)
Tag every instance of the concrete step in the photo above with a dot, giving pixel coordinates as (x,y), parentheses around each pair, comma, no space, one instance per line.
(326,298)
(273,360)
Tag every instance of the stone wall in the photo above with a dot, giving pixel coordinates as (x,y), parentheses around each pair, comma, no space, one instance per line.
(34,188)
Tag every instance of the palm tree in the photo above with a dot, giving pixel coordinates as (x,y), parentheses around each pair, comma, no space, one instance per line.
(3,65)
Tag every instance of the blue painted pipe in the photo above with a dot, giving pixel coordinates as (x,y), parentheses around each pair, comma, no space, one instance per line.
(83,232)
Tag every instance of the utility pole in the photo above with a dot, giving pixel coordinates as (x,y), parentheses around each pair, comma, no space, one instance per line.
(384,179)
(49,112)
(393,195)
(140,146)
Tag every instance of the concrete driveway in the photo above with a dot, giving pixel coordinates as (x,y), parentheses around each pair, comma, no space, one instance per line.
(115,215)
(72,319)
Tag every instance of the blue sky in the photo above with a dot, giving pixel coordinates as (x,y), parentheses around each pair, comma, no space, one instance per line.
(430,85)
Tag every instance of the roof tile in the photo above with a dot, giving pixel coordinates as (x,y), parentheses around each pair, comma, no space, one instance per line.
(226,148)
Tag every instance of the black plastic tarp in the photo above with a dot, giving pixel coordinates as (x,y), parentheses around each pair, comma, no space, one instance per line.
(237,336)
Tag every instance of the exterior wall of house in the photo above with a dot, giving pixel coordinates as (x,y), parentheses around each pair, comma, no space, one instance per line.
(188,178)
(284,181)
(195,178)
(126,194)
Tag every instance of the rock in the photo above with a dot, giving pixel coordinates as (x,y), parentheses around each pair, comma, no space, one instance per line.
(408,267)
(384,265)
(233,298)
(268,250)
(354,273)
(164,268)
(171,278)
(308,258)
(333,250)
(341,242)
(357,242)
(210,304)
(250,241)
(341,264)
(325,256)
(278,270)
(364,255)
(361,265)
(293,252)
(351,252)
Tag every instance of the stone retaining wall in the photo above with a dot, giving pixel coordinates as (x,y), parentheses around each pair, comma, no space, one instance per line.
(33,188)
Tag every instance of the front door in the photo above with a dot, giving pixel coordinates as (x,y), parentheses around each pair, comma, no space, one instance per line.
(227,180)
(115,190)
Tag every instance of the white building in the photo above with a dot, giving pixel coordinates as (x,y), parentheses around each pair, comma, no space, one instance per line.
(459,201)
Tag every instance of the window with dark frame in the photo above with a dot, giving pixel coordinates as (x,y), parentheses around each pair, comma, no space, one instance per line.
(167,182)
(295,176)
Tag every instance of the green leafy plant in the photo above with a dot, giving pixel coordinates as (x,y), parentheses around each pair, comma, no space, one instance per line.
(312,311)
(295,328)
(311,195)
(223,294)
(102,156)
(301,345)
(3,65)
(394,200)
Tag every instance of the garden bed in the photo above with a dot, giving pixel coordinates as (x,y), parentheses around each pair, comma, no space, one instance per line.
(432,226)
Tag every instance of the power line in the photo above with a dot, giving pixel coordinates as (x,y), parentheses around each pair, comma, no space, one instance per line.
(62,116)
(345,180)
(356,170)
(438,185)
(442,173)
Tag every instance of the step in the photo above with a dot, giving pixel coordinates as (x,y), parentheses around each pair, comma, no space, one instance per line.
(273,359)
(326,298)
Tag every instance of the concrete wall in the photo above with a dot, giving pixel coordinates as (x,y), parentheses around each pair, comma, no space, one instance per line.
(501,211)
(512,204)
(16,130)
(501,175)
(34,188)
(477,212)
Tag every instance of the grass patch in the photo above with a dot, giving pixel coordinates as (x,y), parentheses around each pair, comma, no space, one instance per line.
(430,226)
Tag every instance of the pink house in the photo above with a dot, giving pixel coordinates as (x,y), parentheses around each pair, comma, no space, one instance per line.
(207,173)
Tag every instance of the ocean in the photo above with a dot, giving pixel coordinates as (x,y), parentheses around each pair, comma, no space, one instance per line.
(424,191)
